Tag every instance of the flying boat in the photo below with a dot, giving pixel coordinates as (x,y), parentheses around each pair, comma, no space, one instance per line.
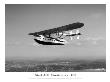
(46,37)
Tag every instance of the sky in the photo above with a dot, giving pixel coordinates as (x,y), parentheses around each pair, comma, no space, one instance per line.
(23,19)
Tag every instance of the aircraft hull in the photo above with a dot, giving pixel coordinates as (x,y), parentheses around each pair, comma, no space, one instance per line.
(47,43)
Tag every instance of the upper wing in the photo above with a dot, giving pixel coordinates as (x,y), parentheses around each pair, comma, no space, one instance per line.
(59,29)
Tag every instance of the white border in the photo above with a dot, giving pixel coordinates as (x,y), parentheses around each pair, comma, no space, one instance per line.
(56,1)
(86,76)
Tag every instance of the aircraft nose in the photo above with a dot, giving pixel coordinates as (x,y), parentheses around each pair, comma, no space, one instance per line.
(34,34)
(31,34)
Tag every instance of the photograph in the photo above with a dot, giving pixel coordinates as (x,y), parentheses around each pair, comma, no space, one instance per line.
(55,37)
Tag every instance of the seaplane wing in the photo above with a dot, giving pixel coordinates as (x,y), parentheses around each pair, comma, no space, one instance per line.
(45,38)
(59,29)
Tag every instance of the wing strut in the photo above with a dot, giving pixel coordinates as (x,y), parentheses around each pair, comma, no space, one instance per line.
(61,35)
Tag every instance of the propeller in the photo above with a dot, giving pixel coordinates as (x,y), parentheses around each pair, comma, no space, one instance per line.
(71,32)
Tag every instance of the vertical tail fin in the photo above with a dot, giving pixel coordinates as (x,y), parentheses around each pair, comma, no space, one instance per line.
(77,32)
